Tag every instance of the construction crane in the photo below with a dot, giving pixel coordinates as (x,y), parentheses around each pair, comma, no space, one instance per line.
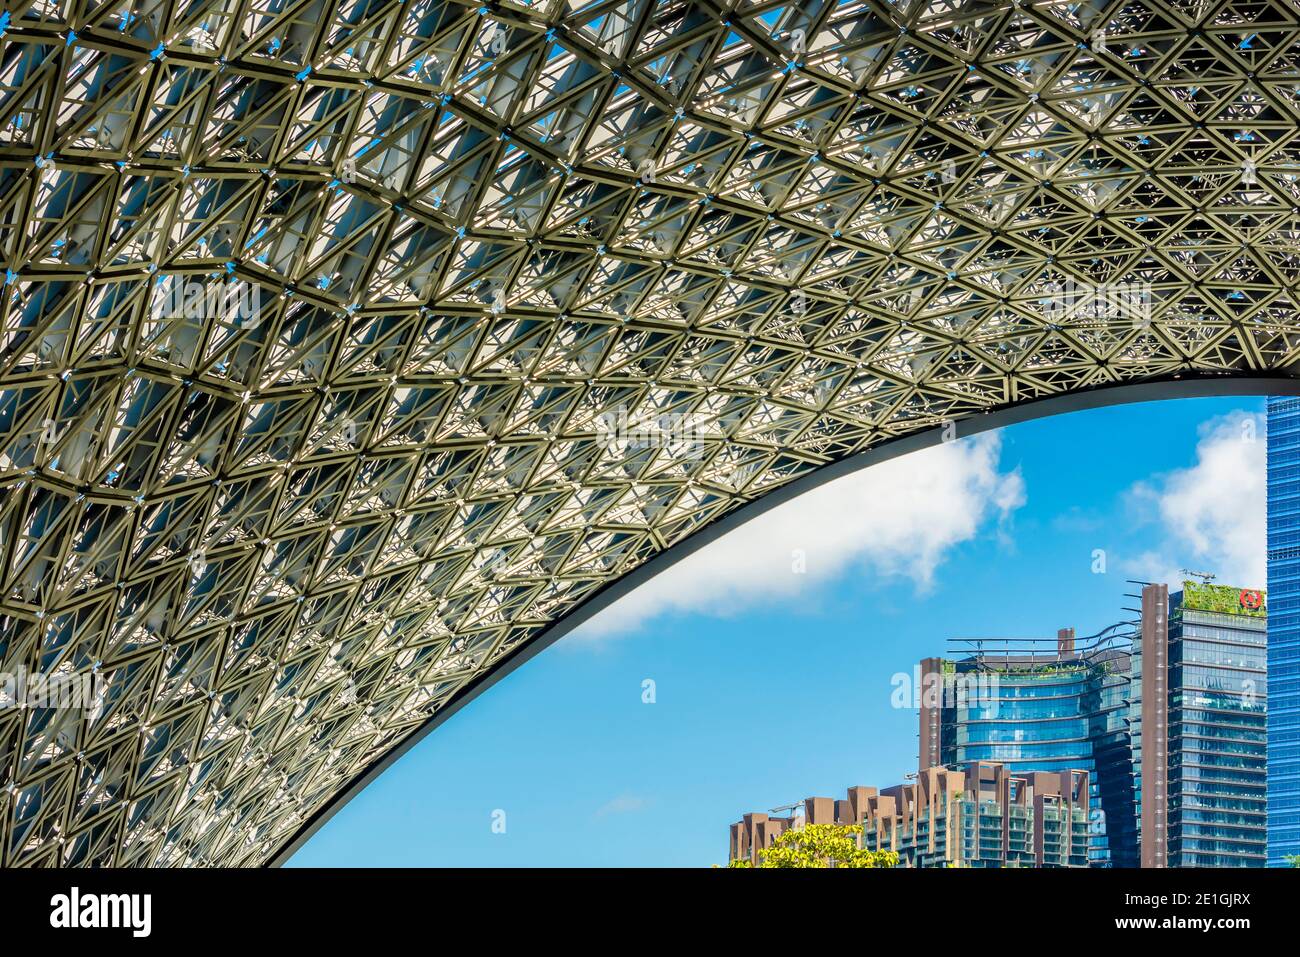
(791,808)
(1205,577)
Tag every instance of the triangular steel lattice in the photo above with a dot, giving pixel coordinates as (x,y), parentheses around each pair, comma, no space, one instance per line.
(285,531)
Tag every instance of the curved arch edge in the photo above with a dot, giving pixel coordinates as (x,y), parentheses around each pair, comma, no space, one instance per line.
(1096,398)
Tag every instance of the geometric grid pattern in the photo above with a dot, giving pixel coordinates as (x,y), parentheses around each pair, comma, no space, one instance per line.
(283,528)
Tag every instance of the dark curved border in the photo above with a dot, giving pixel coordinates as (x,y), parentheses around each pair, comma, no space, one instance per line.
(1190,388)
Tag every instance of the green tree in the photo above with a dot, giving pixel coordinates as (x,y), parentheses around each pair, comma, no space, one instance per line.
(1293,860)
(821,845)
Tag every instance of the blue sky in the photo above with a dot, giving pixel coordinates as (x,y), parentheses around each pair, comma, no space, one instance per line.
(772,684)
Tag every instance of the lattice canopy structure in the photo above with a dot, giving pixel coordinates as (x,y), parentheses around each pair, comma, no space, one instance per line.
(345,345)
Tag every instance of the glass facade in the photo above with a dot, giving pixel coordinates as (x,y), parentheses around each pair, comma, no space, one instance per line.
(1283,629)
(1208,726)
(995,819)
(1055,715)
(1218,694)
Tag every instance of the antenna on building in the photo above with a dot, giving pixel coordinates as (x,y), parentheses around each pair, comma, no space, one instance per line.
(1205,577)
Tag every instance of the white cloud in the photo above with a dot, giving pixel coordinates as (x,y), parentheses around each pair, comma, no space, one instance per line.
(897,519)
(1212,513)
(623,804)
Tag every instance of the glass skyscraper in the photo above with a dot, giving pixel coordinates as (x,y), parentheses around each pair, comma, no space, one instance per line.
(1283,629)
(1198,718)
(1169,722)
(1218,701)
(1056,711)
